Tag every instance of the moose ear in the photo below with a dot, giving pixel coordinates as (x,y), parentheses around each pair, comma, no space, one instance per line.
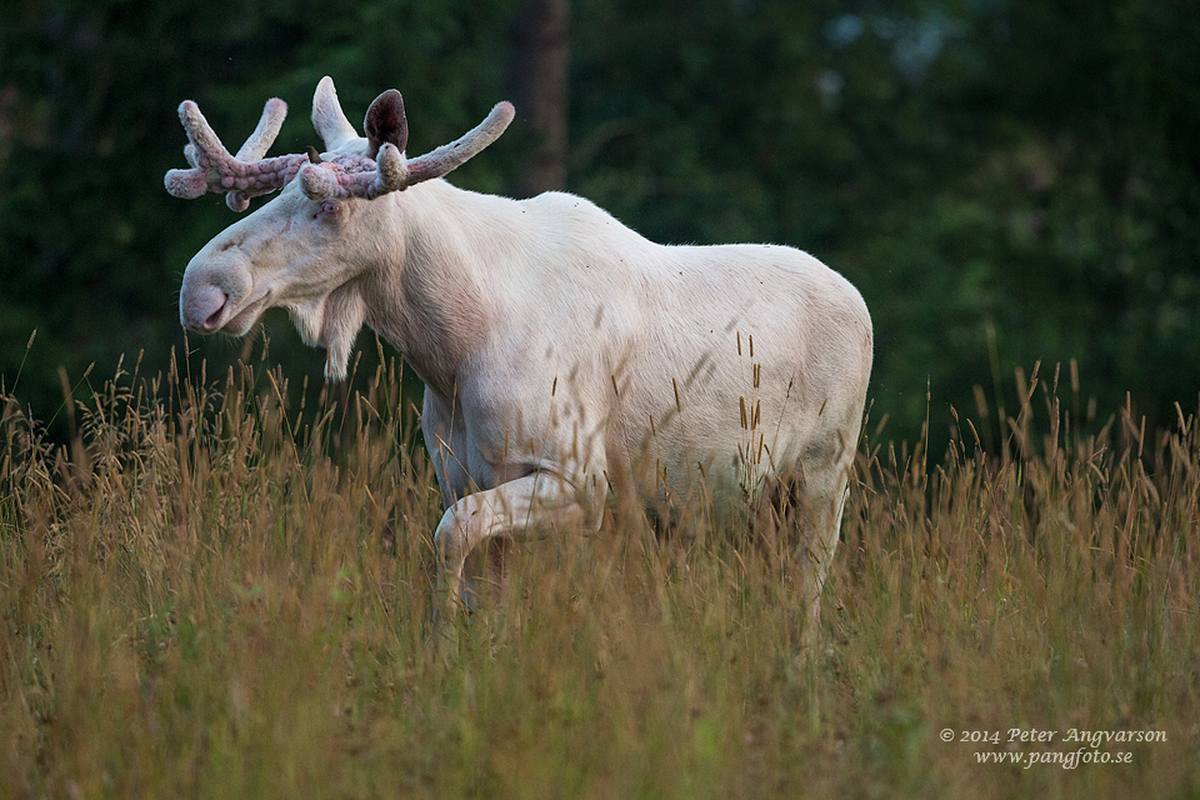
(386,122)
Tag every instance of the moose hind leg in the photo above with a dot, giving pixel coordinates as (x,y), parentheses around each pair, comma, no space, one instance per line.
(818,502)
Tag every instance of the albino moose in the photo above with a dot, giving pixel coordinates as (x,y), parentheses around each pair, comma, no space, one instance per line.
(565,357)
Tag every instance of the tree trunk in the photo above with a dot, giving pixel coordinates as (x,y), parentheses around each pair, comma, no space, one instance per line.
(540,68)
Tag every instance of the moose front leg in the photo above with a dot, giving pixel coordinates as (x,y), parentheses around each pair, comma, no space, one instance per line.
(531,506)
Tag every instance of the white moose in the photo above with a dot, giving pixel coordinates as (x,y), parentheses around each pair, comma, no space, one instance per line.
(564,356)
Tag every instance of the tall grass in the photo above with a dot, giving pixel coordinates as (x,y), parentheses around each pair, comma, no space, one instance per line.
(212,594)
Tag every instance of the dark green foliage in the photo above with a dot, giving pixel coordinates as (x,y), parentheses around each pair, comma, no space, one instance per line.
(1007,181)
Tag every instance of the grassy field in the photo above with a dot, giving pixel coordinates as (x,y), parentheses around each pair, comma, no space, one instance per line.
(204,597)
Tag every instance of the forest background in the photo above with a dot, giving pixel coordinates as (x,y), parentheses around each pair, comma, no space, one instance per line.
(1006,181)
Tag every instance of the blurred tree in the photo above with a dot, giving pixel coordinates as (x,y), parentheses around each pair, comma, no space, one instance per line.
(541,55)
(1006,180)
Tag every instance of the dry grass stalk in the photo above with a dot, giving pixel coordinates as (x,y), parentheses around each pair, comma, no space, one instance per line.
(209,593)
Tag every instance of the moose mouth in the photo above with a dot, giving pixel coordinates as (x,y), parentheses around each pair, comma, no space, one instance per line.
(237,324)
(244,320)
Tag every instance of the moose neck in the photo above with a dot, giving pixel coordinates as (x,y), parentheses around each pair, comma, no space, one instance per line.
(431,296)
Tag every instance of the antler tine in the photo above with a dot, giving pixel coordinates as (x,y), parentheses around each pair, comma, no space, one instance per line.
(437,163)
(215,170)
(257,145)
(274,112)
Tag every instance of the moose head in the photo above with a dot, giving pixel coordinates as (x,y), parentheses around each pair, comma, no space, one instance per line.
(304,249)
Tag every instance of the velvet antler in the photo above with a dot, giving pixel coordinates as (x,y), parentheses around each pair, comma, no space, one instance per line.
(242,176)
(390,171)
(343,175)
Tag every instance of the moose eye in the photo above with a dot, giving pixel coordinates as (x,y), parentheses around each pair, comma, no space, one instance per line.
(329,208)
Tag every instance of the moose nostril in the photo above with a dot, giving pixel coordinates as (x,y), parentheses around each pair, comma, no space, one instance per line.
(203,306)
(213,321)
